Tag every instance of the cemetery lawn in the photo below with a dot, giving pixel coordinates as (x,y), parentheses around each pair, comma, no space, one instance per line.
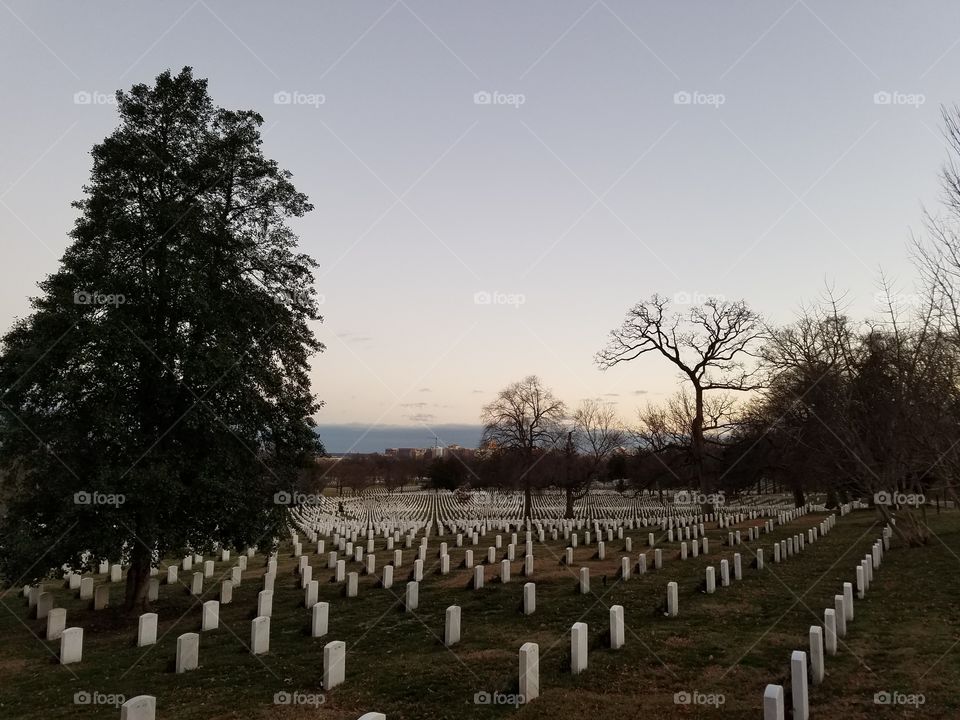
(905,637)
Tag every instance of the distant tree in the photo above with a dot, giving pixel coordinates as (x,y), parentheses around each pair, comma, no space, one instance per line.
(157,397)
(524,422)
(710,345)
(446,473)
(595,432)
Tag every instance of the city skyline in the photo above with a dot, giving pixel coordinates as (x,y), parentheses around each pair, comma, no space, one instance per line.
(493,190)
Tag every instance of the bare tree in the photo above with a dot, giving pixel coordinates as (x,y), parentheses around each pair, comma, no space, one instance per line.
(526,421)
(594,434)
(710,345)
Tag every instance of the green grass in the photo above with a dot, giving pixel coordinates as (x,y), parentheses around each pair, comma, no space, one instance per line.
(733,643)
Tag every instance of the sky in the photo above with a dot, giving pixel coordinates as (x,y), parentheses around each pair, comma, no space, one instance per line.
(496,183)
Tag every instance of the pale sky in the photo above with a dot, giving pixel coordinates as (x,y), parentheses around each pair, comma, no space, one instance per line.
(587,182)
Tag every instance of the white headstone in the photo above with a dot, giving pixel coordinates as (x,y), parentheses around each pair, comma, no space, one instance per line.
(260,635)
(673,600)
(320,616)
(451,626)
(311,594)
(816,654)
(529,598)
(226,592)
(529,671)
(773,708)
(798,685)
(265,603)
(578,648)
(71,645)
(211,616)
(334,657)
(56,623)
(101,597)
(830,631)
(86,588)
(188,652)
(616,627)
(141,707)
(147,629)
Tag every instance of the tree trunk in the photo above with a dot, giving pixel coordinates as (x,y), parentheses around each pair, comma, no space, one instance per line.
(696,438)
(527,501)
(568,512)
(138,577)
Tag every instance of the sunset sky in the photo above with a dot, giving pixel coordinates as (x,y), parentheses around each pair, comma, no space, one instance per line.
(495,183)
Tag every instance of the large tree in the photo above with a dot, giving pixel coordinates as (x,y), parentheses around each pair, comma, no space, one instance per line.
(712,345)
(523,424)
(157,397)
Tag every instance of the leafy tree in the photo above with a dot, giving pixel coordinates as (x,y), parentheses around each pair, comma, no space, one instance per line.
(165,364)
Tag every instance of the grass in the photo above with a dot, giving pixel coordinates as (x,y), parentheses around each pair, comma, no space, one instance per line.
(732,643)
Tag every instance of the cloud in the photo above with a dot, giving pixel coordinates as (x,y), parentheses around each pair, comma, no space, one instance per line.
(424,390)
(611,394)
(476,392)
(352,337)
(639,392)
(420,417)
(417,405)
